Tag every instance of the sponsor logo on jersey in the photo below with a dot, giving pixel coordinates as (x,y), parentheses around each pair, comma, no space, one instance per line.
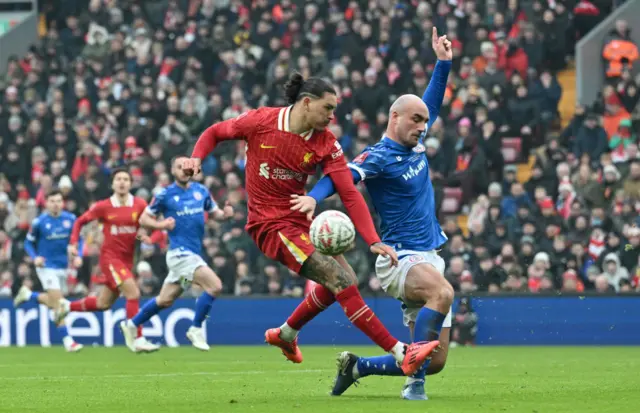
(264,170)
(413,172)
(190,211)
(123,229)
(280,173)
(57,236)
(338,152)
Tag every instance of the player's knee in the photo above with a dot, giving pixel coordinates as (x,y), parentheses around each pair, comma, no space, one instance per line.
(102,304)
(132,294)
(164,301)
(215,287)
(446,293)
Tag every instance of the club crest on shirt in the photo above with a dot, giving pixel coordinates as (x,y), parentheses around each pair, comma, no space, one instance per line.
(134,216)
(66,224)
(360,158)
(197,196)
(419,148)
(176,198)
(306,159)
(48,226)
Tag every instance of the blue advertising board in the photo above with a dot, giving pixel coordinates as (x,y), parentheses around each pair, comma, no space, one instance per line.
(502,321)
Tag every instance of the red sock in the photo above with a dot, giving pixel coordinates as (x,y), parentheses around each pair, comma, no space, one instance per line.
(363,317)
(318,300)
(86,304)
(132,307)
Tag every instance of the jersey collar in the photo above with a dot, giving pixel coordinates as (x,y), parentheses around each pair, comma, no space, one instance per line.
(283,123)
(116,204)
(395,145)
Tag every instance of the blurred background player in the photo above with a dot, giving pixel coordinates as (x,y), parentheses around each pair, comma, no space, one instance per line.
(284,146)
(396,173)
(184,206)
(46,244)
(119,217)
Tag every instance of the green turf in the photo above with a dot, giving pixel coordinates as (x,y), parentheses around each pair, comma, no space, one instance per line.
(256,379)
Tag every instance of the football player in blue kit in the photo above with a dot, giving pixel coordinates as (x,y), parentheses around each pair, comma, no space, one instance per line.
(395,172)
(46,244)
(183,205)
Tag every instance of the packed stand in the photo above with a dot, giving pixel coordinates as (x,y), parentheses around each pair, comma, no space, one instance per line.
(134,83)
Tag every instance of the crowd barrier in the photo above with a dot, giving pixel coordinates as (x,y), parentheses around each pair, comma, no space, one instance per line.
(533,320)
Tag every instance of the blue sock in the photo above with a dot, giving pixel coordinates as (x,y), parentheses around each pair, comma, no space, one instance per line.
(428,324)
(63,331)
(379,366)
(427,328)
(34,297)
(203,306)
(148,310)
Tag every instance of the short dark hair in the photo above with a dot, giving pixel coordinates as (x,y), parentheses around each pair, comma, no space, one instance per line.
(297,88)
(54,192)
(175,158)
(116,171)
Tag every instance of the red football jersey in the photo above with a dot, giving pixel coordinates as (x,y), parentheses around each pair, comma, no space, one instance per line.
(119,226)
(280,161)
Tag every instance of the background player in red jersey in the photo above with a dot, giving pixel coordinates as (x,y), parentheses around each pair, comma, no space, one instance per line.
(284,146)
(119,216)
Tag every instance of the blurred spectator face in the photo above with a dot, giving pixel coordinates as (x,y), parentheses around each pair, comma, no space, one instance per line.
(529,228)
(232,181)
(486,264)
(457,265)
(622,27)
(559,243)
(634,171)
(540,193)
(602,284)
(527,249)
(23,269)
(494,212)
(516,189)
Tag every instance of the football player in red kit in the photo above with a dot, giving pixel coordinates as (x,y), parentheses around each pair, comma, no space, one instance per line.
(284,146)
(119,216)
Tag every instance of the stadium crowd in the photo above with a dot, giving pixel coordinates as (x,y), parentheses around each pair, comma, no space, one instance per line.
(128,83)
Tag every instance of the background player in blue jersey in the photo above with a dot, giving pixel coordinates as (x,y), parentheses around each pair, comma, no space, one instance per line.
(396,174)
(46,244)
(184,205)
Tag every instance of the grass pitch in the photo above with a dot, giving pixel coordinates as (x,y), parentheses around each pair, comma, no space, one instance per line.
(257,379)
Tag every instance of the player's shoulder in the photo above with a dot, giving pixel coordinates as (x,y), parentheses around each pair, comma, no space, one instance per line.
(199,187)
(377,153)
(68,215)
(261,114)
(139,202)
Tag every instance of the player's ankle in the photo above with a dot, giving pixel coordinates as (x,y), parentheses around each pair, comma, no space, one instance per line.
(288,333)
(398,351)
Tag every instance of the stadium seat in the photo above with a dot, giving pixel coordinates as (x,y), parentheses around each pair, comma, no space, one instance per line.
(511,149)
(452,200)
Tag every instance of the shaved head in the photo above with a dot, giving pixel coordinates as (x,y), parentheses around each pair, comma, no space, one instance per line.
(408,117)
(407,103)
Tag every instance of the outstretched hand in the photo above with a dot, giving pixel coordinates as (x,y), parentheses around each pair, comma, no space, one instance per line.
(441,46)
(386,251)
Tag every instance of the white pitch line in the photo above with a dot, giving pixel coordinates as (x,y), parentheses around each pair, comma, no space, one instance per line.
(159,375)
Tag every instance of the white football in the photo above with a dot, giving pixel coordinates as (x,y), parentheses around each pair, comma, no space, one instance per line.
(332,233)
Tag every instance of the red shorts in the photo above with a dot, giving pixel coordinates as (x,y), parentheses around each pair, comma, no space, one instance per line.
(282,241)
(115,272)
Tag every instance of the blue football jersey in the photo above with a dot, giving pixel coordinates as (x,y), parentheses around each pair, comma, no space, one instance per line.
(49,238)
(398,182)
(187,206)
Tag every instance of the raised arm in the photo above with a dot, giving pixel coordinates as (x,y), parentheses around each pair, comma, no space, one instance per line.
(30,241)
(94,213)
(434,93)
(236,128)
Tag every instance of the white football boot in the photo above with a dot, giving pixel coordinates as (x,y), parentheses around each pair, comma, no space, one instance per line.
(199,341)
(24,294)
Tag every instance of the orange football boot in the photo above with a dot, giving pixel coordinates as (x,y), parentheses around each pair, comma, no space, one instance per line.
(417,354)
(289,349)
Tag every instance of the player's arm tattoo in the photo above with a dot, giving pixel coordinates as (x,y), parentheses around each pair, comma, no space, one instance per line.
(326,271)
